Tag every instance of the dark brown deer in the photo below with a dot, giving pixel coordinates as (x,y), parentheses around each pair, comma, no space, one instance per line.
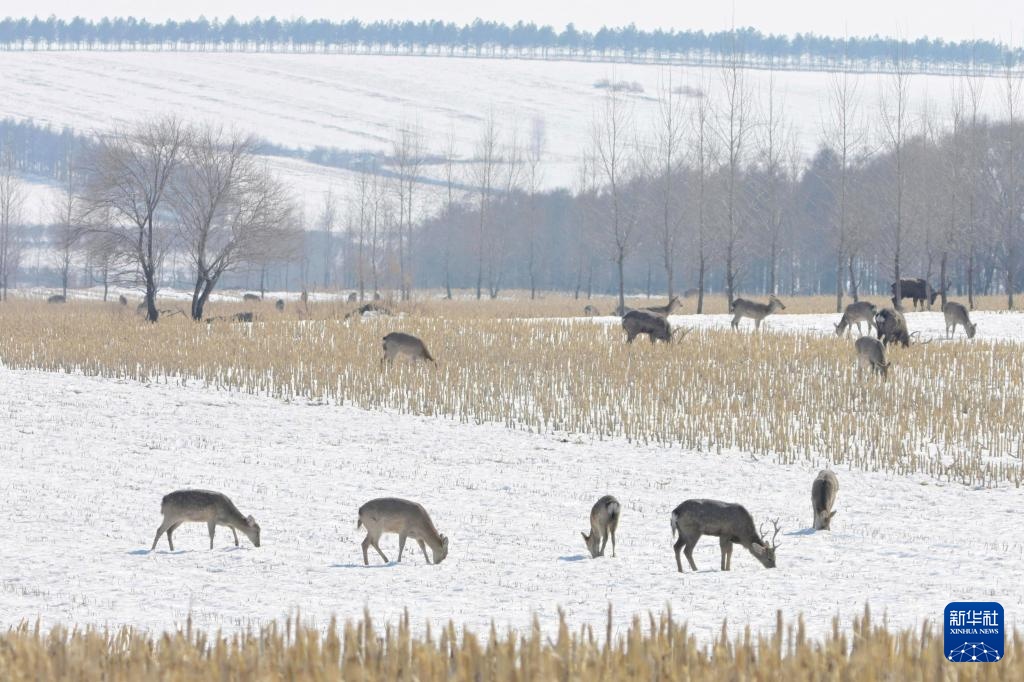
(57,298)
(637,322)
(917,289)
(731,523)
(858,312)
(892,327)
(604,519)
(399,343)
(279,305)
(741,308)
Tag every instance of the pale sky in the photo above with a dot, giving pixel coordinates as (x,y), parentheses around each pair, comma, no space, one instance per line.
(1001,20)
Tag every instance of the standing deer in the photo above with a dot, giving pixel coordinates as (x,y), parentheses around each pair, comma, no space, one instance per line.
(870,351)
(741,308)
(637,322)
(590,310)
(858,312)
(665,309)
(604,519)
(891,327)
(215,509)
(397,343)
(917,289)
(730,522)
(250,297)
(408,519)
(823,497)
(956,314)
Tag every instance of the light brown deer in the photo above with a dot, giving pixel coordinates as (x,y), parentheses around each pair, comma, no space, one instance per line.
(665,309)
(398,343)
(956,314)
(823,497)
(741,308)
(604,519)
(870,351)
(204,506)
(731,523)
(408,519)
(860,311)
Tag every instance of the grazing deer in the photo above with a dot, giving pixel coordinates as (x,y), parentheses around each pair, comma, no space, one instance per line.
(215,509)
(891,327)
(637,322)
(858,312)
(397,343)
(279,304)
(408,519)
(122,300)
(870,351)
(57,298)
(604,519)
(251,297)
(731,523)
(665,309)
(590,310)
(741,308)
(352,298)
(956,314)
(823,497)
(243,317)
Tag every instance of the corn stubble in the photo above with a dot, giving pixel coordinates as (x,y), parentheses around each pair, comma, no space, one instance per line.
(950,410)
(658,649)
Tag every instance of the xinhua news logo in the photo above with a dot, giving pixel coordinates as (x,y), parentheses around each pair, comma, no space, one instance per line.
(974,632)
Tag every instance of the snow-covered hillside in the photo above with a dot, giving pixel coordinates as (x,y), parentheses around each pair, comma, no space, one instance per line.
(85,461)
(355,102)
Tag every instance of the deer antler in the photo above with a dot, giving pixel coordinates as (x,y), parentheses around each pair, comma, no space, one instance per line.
(764,535)
(682,334)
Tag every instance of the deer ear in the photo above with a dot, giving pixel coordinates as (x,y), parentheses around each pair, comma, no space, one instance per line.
(831,515)
(585,537)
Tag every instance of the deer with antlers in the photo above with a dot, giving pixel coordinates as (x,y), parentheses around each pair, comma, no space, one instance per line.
(731,523)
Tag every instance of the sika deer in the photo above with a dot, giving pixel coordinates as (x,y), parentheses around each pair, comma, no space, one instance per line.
(823,497)
(956,314)
(637,322)
(397,343)
(604,519)
(730,522)
(858,312)
(870,351)
(891,327)
(741,308)
(408,519)
(215,509)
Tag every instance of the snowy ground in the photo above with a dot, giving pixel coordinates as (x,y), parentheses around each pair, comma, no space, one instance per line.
(354,102)
(85,461)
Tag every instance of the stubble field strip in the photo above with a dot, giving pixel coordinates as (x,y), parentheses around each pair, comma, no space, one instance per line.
(950,410)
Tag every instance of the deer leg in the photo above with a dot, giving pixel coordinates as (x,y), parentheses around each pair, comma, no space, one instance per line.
(401,545)
(613,539)
(736,322)
(688,551)
(366,545)
(757,324)
(677,546)
(173,527)
(211,526)
(726,546)
(235,534)
(373,541)
(423,548)
(604,540)
(159,531)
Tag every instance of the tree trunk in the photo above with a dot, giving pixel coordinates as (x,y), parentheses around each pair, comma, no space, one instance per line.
(942,278)
(619,262)
(853,279)
(970,277)
(701,267)
(839,283)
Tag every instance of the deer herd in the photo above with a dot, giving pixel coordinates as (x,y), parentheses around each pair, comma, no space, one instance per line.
(731,523)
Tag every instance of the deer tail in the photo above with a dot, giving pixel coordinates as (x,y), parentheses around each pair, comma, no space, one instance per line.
(675,529)
(359,523)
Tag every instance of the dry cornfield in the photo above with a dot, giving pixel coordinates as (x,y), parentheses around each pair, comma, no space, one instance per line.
(950,410)
(661,649)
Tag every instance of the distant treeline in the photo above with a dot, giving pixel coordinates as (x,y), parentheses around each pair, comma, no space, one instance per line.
(524,40)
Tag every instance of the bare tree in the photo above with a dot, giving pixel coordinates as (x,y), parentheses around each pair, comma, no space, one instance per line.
(670,140)
(845,132)
(12,201)
(775,147)
(1012,81)
(894,110)
(408,153)
(363,200)
(450,183)
(534,179)
(127,177)
(511,161)
(734,124)
(67,228)
(230,209)
(615,154)
(328,220)
(704,158)
(485,168)
(972,172)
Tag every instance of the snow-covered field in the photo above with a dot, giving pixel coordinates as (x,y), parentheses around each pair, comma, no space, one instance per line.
(85,461)
(355,102)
